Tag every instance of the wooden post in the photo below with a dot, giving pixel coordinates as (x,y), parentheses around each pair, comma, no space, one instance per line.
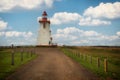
(85,57)
(12,56)
(77,54)
(21,55)
(80,55)
(91,59)
(31,53)
(73,53)
(34,51)
(98,62)
(105,65)
(27,53)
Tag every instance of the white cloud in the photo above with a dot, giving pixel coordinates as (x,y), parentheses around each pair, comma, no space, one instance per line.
(29,4)
(75,36)
(104,10)
(118,33)
(69,30)
(80,42)
(22,41)
(8,37)
(3,25)
(64,17)
(7,5)
(16,34)
(92,16)
(90,33)
(93,22)
(2,33)
(16,38)
(113,37)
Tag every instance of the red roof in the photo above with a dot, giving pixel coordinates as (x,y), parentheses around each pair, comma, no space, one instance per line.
(44,13)
(44,18)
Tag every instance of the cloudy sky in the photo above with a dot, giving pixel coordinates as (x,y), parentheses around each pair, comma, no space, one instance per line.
(73,22)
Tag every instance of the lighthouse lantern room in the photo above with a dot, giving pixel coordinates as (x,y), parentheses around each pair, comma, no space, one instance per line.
(44,33)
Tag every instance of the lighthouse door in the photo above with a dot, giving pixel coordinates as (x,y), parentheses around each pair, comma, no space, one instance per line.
(44,25)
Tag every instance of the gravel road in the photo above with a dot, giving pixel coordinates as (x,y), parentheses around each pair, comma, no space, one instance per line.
(52,64)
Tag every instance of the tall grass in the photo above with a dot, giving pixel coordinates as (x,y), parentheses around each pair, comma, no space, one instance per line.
(83,56)
(6,58)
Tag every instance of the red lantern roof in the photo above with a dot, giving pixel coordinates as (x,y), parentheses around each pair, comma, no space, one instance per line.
(44,13)
(44,18)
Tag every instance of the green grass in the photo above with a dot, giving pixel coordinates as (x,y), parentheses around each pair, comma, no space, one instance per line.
(5,61)
(112,55)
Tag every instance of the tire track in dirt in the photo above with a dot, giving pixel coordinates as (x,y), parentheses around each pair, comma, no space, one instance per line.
(52,64)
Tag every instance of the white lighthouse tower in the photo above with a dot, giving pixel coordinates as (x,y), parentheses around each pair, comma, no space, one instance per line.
(44,34)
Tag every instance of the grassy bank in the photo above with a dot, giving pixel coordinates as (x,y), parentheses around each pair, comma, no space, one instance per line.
(88,57)
(6,67)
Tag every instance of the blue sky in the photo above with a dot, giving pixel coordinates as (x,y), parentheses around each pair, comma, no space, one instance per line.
(80,22)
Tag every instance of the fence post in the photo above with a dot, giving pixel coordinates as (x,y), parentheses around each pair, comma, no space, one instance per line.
(85,56)
(91,59)
(73,53)
(28,53)
(34,50)
(77,53)
(80,55)
(105,65)
(21,54)
(31,53)
(98,62)
(12,56)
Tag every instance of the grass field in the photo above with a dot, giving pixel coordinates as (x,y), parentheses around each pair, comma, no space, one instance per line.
(83,56)
(6,59)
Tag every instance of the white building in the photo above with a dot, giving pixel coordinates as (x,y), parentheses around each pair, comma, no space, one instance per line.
(44,33)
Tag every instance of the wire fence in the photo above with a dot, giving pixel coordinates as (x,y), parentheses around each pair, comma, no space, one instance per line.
(101,66)
(11,58)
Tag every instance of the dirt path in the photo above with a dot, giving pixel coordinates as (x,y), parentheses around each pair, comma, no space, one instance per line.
(52,64)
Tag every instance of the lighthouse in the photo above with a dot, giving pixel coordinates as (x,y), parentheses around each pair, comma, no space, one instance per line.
(44,32)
